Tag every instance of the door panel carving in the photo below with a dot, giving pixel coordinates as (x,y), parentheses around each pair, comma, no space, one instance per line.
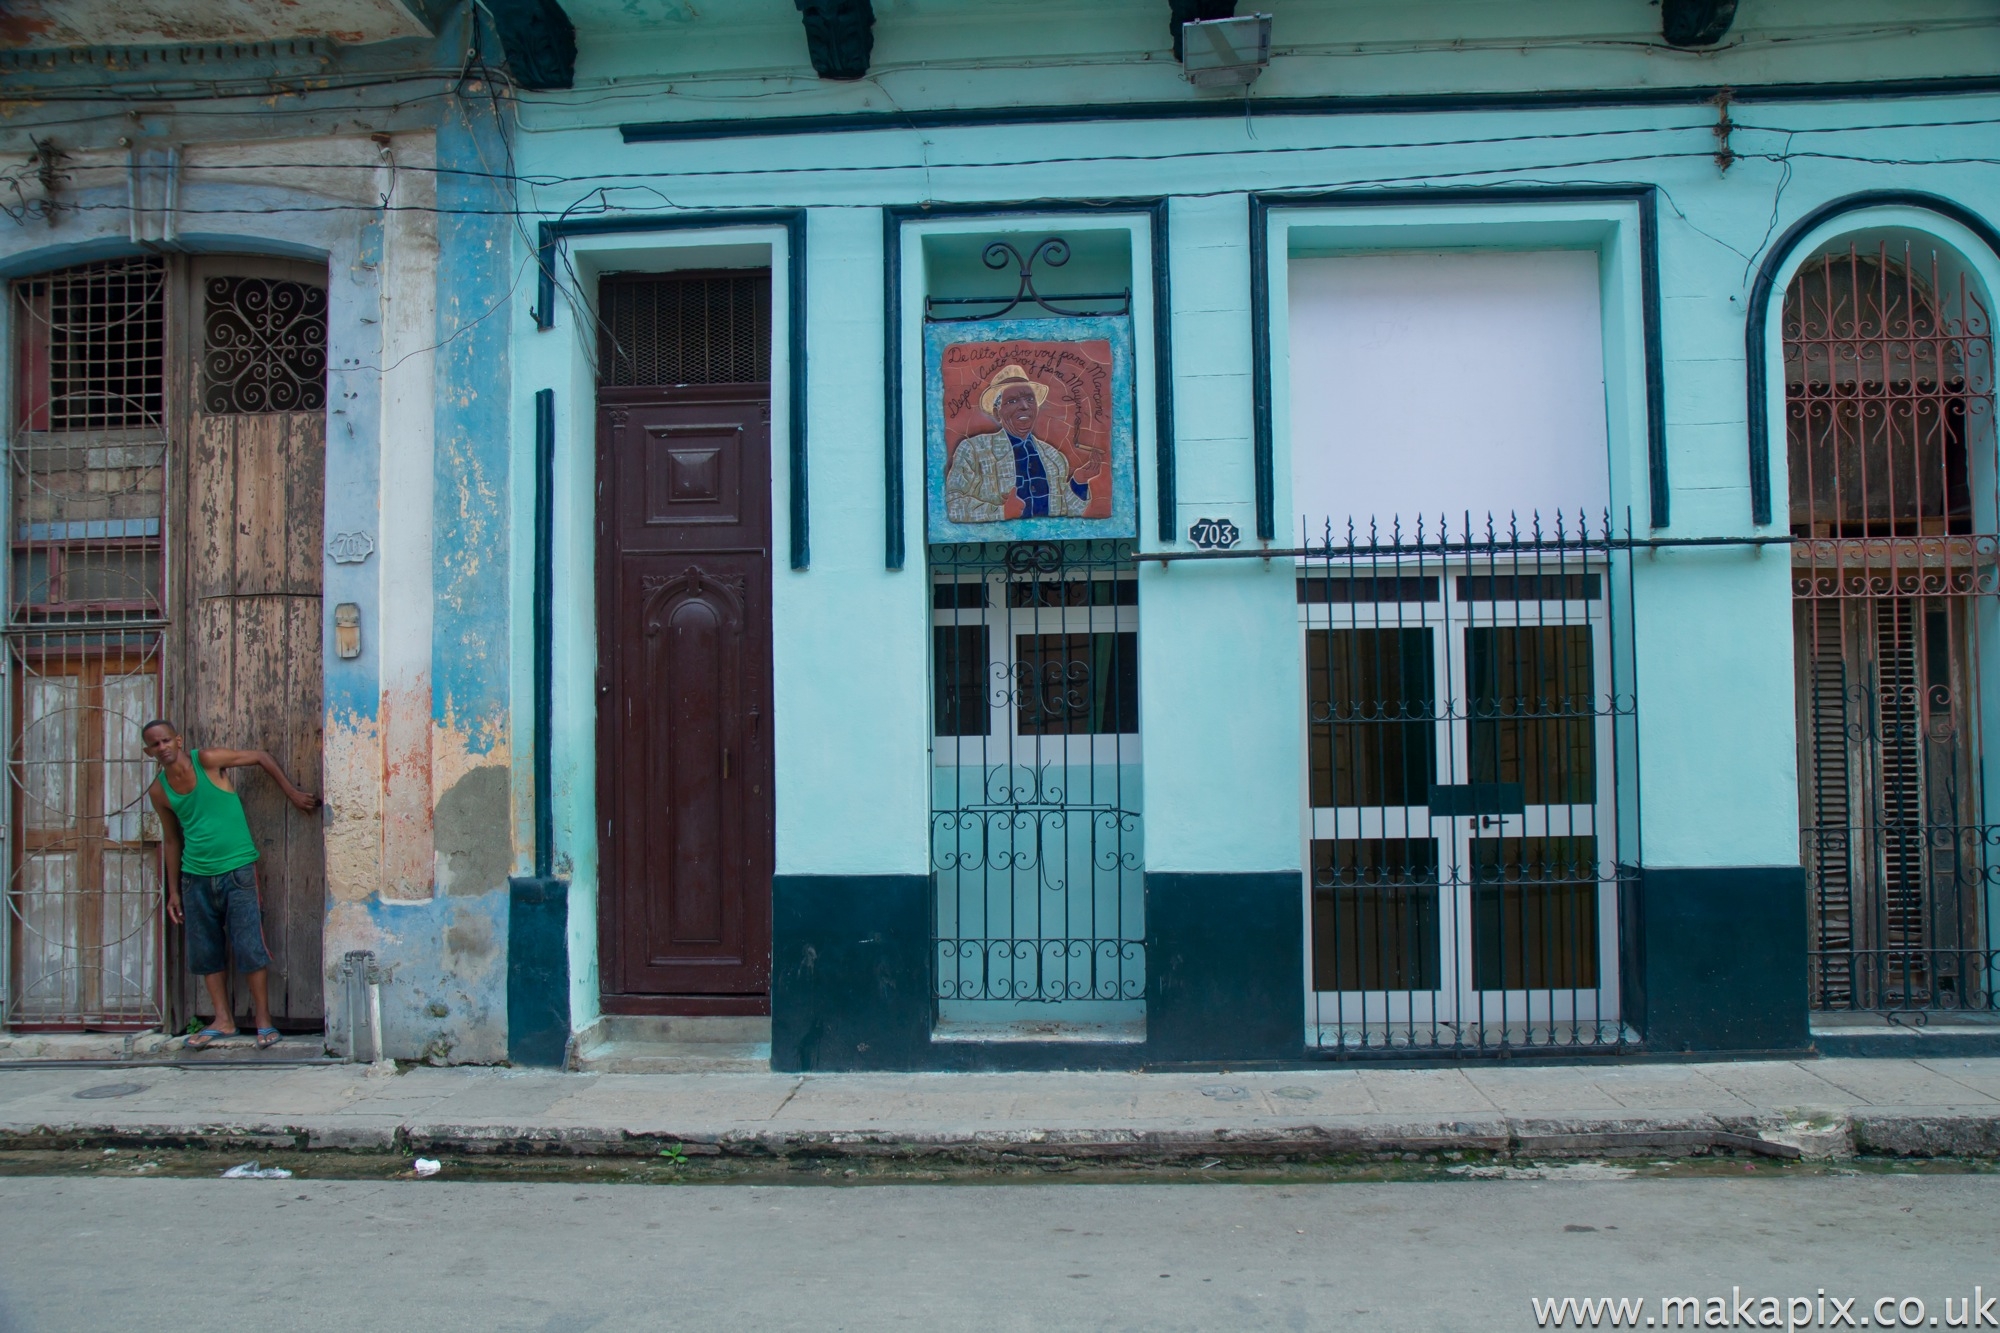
(684,755)
(694,474)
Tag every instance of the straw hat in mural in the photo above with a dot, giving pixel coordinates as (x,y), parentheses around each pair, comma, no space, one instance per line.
(1009,376)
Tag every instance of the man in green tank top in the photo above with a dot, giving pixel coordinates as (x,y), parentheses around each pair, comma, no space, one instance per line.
(212,869)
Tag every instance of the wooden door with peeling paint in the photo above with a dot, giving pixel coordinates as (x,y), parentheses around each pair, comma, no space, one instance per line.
(249,675)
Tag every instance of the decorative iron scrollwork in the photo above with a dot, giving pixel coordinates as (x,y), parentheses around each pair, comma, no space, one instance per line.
(1034,557)
(1050,250)
(263,346)
(1037,836)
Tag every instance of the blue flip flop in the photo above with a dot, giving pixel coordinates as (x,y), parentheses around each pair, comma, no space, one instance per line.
(206,1038)
(266,1038)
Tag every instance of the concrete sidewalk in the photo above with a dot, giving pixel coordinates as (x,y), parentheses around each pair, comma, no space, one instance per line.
(1817,1107)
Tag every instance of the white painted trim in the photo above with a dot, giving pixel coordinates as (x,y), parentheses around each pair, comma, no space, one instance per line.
(404,564)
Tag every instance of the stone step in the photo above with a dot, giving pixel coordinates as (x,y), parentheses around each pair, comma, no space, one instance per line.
(636,1044)
(84,1045)
(1915,1036)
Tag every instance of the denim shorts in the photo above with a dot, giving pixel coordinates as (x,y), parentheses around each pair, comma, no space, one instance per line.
(221,908)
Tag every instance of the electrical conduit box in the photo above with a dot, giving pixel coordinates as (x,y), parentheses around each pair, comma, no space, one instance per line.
(1226,53)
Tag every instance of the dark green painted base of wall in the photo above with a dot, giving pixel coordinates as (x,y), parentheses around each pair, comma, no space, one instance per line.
(537,971)
(1715,959)
(852,979)
(1918,1044)
(1225,969)
(850,972)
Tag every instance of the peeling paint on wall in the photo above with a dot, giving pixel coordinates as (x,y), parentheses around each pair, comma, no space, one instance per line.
(444,991)
(471,746)
(406,781)
(409,469)
(353,760)
(473,852)
(456,751)
(60,23)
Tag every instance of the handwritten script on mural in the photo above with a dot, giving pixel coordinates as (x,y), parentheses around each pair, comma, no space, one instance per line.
(1027,428)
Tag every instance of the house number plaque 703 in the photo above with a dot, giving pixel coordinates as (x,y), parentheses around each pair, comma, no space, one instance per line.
(1214,534)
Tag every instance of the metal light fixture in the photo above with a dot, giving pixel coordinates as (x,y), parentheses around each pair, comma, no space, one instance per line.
(1226,53)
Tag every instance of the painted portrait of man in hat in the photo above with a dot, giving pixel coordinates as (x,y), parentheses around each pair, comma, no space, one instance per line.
(1010,473)
(1028,430)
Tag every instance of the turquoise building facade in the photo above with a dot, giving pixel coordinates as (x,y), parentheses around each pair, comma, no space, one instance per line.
(1463,686)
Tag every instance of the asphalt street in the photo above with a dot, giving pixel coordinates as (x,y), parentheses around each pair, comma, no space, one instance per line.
(440,1256)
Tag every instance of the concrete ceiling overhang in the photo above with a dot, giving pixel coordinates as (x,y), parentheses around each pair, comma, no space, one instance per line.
(32,24)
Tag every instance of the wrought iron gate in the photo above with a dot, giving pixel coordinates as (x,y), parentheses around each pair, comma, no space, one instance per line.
(1470,714)
(88,451)
(1035,825)
(1889,402)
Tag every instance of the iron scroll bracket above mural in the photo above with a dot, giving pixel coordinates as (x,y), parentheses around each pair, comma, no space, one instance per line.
(1052,251)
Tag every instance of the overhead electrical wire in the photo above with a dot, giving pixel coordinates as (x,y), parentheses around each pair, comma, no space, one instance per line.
(474,80)
(545,180)
(1374,181)
(638,180)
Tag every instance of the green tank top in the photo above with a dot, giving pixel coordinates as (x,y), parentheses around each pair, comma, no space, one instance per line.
(215,837)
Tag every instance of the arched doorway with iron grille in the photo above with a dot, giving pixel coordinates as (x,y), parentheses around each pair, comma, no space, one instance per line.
(166,450)
(1888,362)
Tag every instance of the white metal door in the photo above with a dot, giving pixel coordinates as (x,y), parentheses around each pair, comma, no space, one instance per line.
(1461,880)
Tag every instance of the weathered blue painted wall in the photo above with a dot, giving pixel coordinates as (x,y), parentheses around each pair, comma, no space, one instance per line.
(418,831)
(852,757)
(427,821)
(454,956)
(277,211)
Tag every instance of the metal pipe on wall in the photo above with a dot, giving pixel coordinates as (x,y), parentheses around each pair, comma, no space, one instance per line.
(545,510)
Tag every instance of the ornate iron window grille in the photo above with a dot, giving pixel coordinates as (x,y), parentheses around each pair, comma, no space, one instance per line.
(1889,412)
(1036,825)
(1036,812)
(92,350)
(88,461)
(263,346)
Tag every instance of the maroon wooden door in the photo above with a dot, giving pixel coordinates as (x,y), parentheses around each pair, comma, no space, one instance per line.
(684,698)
